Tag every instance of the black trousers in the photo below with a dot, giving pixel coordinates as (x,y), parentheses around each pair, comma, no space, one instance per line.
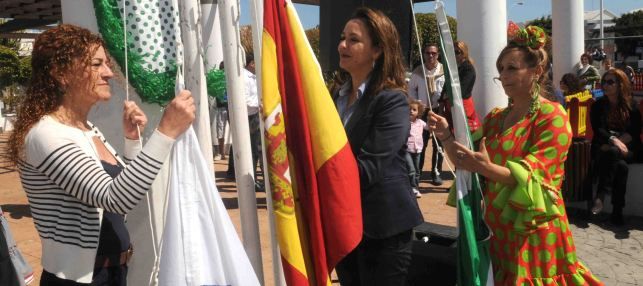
(436,157)
(612,175)
(377,262)
(108,276)
(255,145)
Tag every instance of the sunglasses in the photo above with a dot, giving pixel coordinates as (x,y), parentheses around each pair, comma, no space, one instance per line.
(608,82)
(458,52)
(431,54)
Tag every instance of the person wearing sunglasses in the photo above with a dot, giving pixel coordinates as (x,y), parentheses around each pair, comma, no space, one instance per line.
(467,74)
(617,128)
(417,88)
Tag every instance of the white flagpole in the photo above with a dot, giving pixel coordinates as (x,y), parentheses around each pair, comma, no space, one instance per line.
(256,8)
(232,55)
(194,72)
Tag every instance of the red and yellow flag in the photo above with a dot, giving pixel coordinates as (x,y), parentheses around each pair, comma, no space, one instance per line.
(312,171)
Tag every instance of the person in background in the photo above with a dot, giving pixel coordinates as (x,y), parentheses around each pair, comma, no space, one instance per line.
(373,107)
(415,145)
(221,121)
(617,127)
(467,74)
(78,187)
(629,71)
(569,85)
(521,158)
(418,90)
(586,72)
(252,104)
(607,65)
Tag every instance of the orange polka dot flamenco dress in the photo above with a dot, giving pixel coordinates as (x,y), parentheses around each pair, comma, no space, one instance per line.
(531,242)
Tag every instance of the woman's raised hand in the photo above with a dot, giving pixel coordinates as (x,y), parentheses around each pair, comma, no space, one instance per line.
(133,116)
(178,115)
(439,125)
(476,162)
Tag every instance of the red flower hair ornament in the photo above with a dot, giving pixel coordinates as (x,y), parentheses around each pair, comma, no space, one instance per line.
(532,36)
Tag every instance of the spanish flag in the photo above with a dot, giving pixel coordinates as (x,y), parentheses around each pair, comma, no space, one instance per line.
(312,171)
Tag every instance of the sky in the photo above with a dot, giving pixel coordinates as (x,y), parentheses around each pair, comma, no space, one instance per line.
(517,10)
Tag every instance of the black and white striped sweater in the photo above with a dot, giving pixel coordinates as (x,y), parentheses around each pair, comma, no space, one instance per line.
(68,190)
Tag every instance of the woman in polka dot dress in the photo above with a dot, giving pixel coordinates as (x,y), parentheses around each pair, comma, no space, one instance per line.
(522,156)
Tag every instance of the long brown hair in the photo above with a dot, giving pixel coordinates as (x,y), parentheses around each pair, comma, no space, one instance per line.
(462,46)
(620,113)
(388,72)
(56,52)
(533,58)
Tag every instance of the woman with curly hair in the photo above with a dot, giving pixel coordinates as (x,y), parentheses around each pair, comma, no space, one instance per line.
(617,128)
(78,187)
(521,157)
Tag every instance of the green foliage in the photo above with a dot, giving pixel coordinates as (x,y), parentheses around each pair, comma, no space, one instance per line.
(25,71)
(630,24)
(216,85)
(428,30)
(544,23)
(313,38)
(9,66)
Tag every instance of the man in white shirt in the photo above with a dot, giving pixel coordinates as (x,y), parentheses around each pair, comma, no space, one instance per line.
(252,104)
(418,90)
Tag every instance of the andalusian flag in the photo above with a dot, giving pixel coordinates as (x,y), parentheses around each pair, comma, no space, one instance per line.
(313,173)
(474,263)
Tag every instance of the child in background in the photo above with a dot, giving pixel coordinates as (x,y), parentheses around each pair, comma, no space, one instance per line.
(414,144)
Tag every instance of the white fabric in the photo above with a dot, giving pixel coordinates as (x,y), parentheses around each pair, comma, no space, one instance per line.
(200,245)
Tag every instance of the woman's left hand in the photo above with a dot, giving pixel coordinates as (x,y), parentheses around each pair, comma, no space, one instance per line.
(476,162)
(620,145)
(133,116)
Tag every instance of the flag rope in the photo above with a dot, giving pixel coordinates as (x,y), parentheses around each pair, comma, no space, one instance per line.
(140,141)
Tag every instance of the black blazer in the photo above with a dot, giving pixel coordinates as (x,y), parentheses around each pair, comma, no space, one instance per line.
(377,132)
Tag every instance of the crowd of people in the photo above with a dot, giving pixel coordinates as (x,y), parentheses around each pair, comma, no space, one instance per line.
(79,207)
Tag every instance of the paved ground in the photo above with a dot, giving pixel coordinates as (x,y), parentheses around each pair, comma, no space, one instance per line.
(613,254)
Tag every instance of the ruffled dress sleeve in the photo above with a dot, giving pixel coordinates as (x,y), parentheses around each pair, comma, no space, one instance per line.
(539,171)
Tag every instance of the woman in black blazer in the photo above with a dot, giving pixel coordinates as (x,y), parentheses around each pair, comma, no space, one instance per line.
(373,106)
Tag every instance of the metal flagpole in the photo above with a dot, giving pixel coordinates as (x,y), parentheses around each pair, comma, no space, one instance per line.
(243,167)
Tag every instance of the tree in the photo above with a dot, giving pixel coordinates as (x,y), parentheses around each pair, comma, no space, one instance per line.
(245,34)
(630,24)
(313,38)
(9,66)
(25,71)
(428,30)
(543,22)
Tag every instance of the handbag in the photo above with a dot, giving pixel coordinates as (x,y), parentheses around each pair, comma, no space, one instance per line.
(14,269)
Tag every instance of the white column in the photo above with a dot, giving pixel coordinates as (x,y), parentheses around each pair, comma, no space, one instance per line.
(568,36)
(213,51)
(233,56)
(485,42)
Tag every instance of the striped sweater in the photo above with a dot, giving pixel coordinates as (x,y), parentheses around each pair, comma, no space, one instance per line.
(68,190)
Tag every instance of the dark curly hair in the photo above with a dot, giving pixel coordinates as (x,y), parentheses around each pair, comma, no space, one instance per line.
(57,52)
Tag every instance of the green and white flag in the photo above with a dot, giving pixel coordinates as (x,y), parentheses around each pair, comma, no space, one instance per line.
(474,263)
